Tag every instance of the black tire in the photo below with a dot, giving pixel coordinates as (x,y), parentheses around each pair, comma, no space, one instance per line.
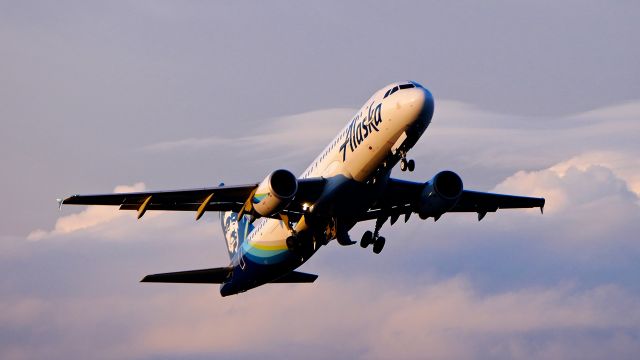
(411,165)
(403,165)
(378,245)
(292,243)
(367,239)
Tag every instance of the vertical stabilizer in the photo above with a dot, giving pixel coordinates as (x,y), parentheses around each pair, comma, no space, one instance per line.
(235,232)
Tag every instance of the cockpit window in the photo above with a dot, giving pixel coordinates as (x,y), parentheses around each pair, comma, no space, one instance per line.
(390,92)
(396,88)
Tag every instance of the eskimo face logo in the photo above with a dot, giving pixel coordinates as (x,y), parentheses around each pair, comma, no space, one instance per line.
(231,231)
(360,128)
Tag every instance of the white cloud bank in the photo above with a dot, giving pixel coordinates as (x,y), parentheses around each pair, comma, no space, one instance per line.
(95,222)
(361,319)
(90,218)
(572,183)
(585,165)
(464,136)
(298,133)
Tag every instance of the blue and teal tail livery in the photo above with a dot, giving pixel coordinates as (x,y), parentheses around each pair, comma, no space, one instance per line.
(235,232)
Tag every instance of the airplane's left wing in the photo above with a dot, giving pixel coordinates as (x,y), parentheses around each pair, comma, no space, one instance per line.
(220,198)
(402,197)
(476,201)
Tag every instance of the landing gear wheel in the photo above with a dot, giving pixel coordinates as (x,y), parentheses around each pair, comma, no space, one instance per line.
(293,243)
(403,164)
(367,239)
(411,165)
(378,245)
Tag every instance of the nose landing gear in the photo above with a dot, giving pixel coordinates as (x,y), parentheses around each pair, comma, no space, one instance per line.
(407,164)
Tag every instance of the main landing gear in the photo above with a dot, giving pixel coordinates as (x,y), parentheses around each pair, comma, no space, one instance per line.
(368,239)
(374,237)
(296,243)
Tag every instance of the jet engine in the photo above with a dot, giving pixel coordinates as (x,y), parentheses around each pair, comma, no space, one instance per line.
(440,194)
(275,192)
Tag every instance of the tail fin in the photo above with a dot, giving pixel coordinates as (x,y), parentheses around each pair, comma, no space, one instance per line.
(235,232)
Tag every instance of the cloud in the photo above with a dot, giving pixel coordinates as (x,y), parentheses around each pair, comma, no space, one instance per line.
(468,138)
(513,286)
(189,144)
(26,310)
(450,320)
(587,202)
(620,112)
(98,79)
(624,165)
(446,319)
(569,184)
(94,216)
(297,133)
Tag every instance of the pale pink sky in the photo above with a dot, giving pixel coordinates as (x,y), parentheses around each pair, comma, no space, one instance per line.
(537,99)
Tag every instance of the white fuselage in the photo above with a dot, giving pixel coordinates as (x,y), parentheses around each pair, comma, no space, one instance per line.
(362,146)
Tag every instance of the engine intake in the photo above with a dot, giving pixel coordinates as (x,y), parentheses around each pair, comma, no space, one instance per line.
(440,194)
(275,192)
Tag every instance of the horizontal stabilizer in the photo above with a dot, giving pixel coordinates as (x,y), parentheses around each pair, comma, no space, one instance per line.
(296,277)
(203,276)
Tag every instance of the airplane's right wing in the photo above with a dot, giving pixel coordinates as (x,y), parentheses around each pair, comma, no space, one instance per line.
(220,198)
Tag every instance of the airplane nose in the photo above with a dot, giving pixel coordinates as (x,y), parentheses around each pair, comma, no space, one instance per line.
(408,107)
(421,104)
(428,105)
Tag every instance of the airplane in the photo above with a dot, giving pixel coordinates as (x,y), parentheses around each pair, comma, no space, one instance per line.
(274,226)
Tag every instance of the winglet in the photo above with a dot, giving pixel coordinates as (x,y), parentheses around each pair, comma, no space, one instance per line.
(60,202)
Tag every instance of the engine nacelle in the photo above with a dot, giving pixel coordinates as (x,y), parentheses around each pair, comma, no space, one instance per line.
(440,194)
(275,192)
